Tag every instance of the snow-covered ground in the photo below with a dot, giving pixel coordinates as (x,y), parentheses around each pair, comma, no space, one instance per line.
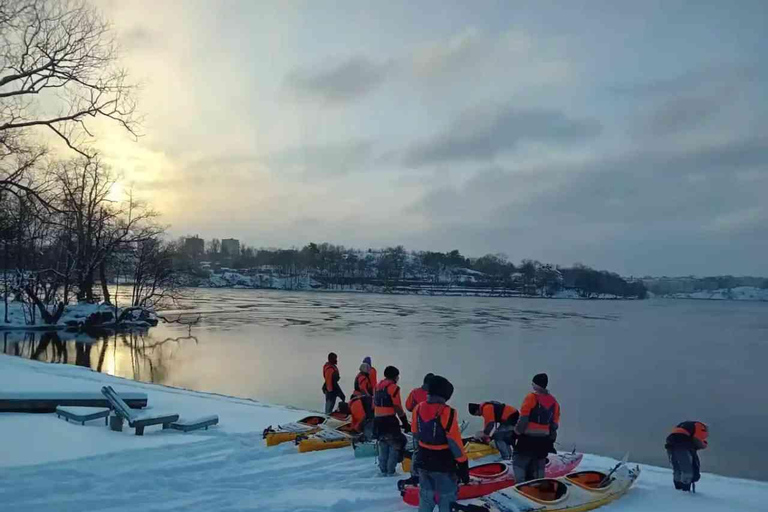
(20,317)
(737,293)
(48,464)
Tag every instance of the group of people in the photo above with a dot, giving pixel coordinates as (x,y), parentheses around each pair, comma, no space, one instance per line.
(439,460)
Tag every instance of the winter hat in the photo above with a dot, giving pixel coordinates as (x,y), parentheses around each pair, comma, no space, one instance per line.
(367,360)
(365,368)
(427,377)
(440,386)
(390,372)
(541,380)
(333,358)
(474,409)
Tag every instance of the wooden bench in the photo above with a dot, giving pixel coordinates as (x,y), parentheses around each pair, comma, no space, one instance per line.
(46,402)
(82,414)
(137,422)
(197,424)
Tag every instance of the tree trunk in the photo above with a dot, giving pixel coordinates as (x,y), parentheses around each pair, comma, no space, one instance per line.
(48,318)
(103,279)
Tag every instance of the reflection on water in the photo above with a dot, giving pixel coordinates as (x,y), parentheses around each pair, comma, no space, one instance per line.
(624,372)
(131,354)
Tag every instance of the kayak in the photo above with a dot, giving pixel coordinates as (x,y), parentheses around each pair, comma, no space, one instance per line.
(327,439)
(304,426)
(488,478)
(477,450)
(575,492)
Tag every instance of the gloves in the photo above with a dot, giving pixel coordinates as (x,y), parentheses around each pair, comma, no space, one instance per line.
(462,471)
(406,425)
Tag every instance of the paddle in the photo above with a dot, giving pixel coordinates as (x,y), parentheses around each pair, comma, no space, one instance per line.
(617,466)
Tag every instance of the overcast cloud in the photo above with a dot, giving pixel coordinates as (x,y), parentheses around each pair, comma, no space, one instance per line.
(629,136)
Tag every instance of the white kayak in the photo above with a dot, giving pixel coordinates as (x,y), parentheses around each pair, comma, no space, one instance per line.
(575,492)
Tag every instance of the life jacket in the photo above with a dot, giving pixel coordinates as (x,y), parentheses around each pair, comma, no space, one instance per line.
(694,432)
(363,383)
(542,415)
(360,405)
(383,398)
(502,413)
(415,397)
(330,377)
(433,433)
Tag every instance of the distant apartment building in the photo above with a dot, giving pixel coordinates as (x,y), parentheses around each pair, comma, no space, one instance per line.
(230,247)
(194,246)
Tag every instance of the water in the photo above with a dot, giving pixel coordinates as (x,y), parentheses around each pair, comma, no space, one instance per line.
(625,372)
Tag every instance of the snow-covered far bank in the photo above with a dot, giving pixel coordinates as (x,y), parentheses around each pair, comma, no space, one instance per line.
(22,316)
(737,293)
(48,464)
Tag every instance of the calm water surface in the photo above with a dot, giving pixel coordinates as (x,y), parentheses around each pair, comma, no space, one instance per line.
(625,372)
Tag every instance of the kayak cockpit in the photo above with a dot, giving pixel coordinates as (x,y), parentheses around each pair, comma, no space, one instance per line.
(492,470)
(591,480)
(546,490)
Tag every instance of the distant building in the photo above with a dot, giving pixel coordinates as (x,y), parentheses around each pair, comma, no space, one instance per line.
(230,247)
(194,246)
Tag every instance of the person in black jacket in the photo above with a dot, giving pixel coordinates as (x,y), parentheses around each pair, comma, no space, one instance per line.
(682,446)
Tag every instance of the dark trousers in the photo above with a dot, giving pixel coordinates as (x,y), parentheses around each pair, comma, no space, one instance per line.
(685,467)
(528,467)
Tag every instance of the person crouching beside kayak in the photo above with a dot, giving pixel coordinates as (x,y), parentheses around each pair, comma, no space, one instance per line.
(331,388)
(682,448)
(387,408)
(500,420)
(442,459)
(363,382)
(361,408)
(536,430)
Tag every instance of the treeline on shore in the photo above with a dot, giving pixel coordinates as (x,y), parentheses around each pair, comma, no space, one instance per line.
(397,269)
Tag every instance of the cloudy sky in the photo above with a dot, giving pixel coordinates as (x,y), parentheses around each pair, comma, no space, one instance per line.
(631,136)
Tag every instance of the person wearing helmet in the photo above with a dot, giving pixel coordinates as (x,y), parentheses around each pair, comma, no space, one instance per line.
(388,408)
(682,446)
(331,388)
(363,382)
(442,459)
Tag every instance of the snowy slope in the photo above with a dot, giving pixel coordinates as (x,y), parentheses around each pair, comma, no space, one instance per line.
(48,464)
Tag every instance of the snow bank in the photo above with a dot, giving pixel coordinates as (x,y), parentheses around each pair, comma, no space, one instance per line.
(48,464)
(737,293)
(74,315)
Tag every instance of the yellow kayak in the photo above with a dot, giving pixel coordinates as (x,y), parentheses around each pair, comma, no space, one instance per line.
(302,427)
(327,439)
(478,450)
(575,492)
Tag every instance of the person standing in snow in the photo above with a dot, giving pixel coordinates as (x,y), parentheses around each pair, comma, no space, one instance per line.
(331,388)
(363,382)
(372,372)
(442,459)
(389,407)
(682,447)
(415,397)
(361,408)
(500,420)
(536,430)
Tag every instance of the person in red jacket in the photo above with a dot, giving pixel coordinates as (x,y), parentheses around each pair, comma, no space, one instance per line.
(499,424)
(331,388)
(536,430)
(387,408)
(442,459)
(372,372)
(361,408)
(363,381)
(682,446)
(418,395)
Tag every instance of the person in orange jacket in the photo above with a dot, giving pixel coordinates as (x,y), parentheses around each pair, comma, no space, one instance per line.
(361,408)
(536,430)
(331,388)
(682,446)
(363,381)
(387,408)
(418,395)
(499,424)
(442,459)
(372,372)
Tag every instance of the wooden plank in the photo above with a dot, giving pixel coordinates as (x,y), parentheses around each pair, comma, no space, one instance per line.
(47,402)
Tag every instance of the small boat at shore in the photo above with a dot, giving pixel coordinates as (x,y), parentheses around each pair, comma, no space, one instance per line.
(575,492)
(303,427)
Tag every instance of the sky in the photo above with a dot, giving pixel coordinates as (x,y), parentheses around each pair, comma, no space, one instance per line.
(629,136)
